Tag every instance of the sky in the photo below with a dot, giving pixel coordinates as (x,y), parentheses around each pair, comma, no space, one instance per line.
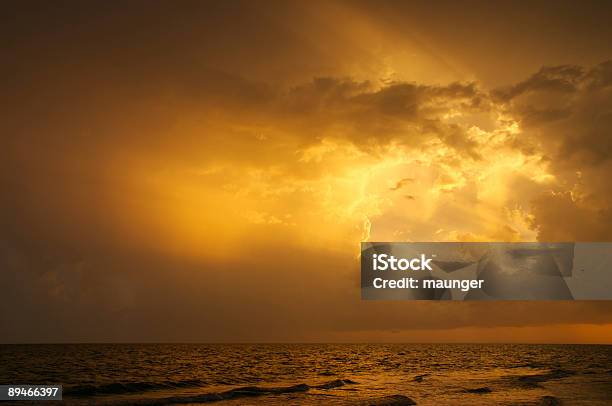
(205,171)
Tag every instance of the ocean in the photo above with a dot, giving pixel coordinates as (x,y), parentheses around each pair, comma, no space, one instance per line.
(315,374)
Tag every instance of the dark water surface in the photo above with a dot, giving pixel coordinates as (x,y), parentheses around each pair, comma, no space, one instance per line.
(337,374)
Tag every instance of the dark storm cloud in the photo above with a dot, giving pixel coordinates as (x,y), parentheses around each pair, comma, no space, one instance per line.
(408,113)
(568,111)
(562,79)
(570,104)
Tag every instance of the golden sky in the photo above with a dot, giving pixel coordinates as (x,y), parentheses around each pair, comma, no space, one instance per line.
(205,171)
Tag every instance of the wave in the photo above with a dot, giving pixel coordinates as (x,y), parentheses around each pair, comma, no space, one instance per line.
(129,387)
(534,381)
(253,391)
(242,392)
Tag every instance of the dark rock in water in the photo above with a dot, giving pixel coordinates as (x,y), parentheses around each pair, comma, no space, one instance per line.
(484,389)
(550,401)
(327,373)
(419,378)
(393,400)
